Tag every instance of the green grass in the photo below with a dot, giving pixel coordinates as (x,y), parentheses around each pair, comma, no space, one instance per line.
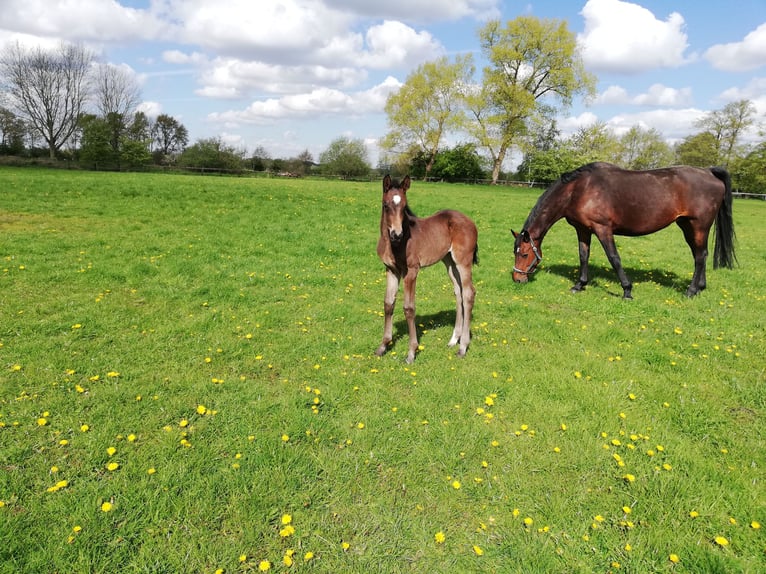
(221,332)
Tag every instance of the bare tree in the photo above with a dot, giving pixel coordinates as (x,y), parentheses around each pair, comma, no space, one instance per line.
(116,91)
(48,88)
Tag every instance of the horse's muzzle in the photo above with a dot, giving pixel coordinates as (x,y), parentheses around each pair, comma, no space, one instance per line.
(520,277)
(395,237)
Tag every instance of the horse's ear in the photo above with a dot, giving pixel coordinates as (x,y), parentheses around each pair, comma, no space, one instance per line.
(386,183)
(406,184)
(515,235)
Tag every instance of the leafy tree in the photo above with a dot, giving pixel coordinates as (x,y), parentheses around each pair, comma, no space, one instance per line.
(699,150)
(459,163)
(644,149)
(96,141)
(48,89)
(749,173)
(13,132)
(260,159)
(346,157)
(427,106)
(212,153)
(533,62)
(169,138)
(727,125)
(595,142)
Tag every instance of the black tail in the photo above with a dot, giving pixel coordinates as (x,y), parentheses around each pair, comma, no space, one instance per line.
(723,252)
(476,254)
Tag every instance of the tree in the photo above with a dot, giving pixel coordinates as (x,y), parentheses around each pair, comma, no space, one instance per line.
(169,137)
(117,94)
(13,132)
(426,106)
(260,159)
(727,125)
(749,173)
(459,163)
(49,89)
(644,149)
(533,62)
(212,153)
(700,150)
(345,157)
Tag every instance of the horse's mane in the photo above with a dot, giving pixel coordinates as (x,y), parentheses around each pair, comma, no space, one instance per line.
(564,178)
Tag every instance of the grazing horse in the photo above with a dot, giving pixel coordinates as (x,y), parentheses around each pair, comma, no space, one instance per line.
(408,243)
(604,199)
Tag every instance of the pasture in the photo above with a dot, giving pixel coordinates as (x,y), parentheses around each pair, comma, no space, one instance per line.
(188,384)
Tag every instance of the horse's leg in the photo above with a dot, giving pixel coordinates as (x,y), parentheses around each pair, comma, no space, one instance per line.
(583,241)
(410,281)
(392,286)
(697,240)
(454,276)
(465,304)
(607,242)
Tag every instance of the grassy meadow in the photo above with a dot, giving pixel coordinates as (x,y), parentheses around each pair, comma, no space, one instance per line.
(188,384)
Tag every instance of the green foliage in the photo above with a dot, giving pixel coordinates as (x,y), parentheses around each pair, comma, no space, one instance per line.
(700,150)
(346,157)
(457,164)
(211,153)
(204,329)
(749,173)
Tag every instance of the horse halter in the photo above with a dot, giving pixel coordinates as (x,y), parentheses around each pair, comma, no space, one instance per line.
(532,266)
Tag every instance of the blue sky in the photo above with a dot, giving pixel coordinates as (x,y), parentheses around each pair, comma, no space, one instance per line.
(291,75)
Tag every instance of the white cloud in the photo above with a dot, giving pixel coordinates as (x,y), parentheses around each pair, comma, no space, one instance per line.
(151,109)
(657,95)
(673,124)
(87,20)
(318,102)
(748,54)
(421,10)
(625,37)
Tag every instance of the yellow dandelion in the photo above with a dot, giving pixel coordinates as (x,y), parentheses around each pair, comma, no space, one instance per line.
(629,478)
(111,451)
(285,438)
(264,566)
(360,425)
(528,521)
(151,471)
(287,560)
(84,428)
(674,558)
(308,556)
(183,423)
(287,531)
(106,507)
(345,546)
(132,438)
(478,551)
(201,409)
(456,484)
(42,421)
(755,525)
(694,514)
(439,537)
(112,466)
(286,519)
(721,541)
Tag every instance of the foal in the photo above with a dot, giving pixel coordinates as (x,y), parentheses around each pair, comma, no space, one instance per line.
(408,243)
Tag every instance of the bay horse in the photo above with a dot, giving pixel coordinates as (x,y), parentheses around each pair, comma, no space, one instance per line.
(605,200)
(408,243)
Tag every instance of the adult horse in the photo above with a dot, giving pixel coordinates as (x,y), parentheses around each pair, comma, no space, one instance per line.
(408,243)
(604,199)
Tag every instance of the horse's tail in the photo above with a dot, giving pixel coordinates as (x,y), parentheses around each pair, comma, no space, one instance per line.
(476,254)
(723,252)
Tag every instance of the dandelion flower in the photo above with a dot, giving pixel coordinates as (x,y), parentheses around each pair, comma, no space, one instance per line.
(287,531)
(674,558)
(286,519)
(629,478)
(111,451)
(755,525)
(112,466)
(456,484)
(264,566)
(201,409)
(308,556)
(694,514)
(285,438)
(151,471)
(345,546)
(721,541)
(106,507)
(528,521)
(478,551)
(84,428)
(439,537)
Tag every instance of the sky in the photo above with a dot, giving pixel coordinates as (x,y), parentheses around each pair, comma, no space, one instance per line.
(294,75)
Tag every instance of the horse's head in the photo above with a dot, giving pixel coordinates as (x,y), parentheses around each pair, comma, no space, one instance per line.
(528,254)
(395,211)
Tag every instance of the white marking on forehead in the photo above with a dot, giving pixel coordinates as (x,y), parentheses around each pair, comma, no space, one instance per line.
(397,199)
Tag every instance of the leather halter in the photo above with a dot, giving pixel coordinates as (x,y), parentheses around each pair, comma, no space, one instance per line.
(532,266)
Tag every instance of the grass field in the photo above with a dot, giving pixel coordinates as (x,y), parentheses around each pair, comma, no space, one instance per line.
(187,384)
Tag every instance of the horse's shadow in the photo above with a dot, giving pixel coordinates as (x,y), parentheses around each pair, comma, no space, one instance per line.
(423,323)
(604,274)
